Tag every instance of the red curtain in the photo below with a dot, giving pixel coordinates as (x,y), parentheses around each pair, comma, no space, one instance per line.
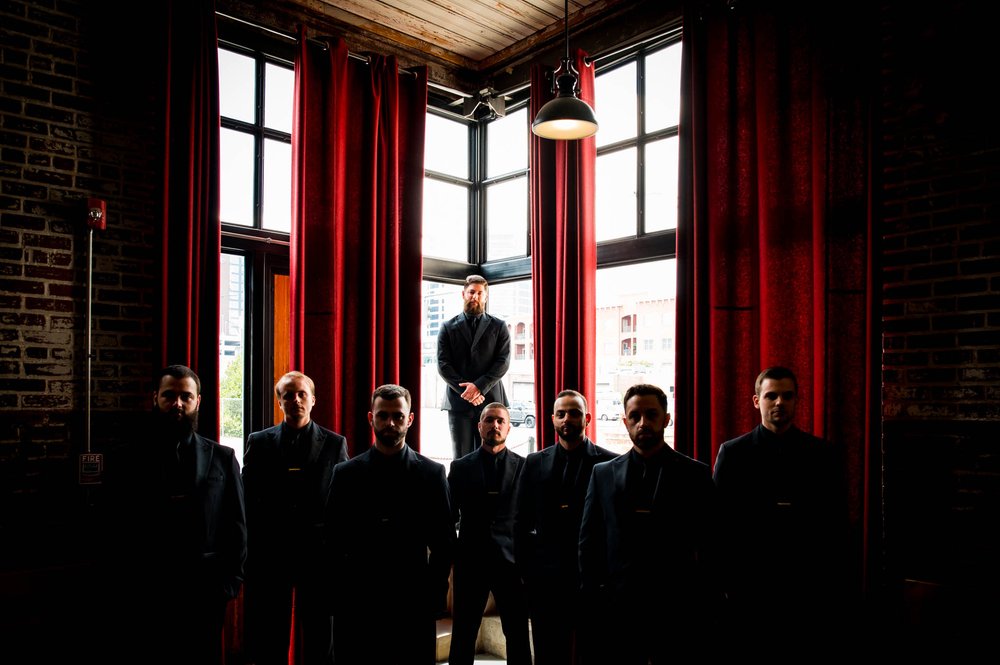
(774,249)
(563,256)
(192,240)
(357,205)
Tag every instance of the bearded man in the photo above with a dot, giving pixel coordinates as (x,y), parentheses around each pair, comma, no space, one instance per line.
(648,543)
(473,355)
(391,538)
(181,535)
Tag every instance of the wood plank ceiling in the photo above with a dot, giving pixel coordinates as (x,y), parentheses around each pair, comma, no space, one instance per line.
(476,35)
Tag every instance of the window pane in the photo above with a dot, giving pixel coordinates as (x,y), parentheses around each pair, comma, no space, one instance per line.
(231,357)
(661,185)
(236,177)
(616,204)
(507,144)
(512,302)
(277,186)
(441,302)
(446,146)
(635,340)
(507,219)
(279,91)
(237,86)
(615,101)
(446,220)
(663,88)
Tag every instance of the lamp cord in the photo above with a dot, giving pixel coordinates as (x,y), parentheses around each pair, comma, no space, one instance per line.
(566,22)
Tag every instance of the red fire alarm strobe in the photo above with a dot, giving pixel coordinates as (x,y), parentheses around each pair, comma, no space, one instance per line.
(97,214)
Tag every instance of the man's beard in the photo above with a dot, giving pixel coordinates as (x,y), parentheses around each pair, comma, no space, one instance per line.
(647,441)
(473,308)
(389,438)
(493,442)
(570,432)
(174,426)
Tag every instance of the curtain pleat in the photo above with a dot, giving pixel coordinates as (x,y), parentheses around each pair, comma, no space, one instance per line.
(192,235)
(356,263)
(774,249)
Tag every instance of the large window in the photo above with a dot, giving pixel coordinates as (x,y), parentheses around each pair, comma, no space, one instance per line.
(639,102)
(256,89)
(638,105)
(476,221)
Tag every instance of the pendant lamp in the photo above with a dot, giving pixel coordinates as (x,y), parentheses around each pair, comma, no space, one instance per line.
(567,117)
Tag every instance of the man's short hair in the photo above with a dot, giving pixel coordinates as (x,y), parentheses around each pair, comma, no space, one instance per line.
(775,373)
(475,279)
(573,393)
(178,372)
(288,376)
(494,405)
(645,389)
(391,391)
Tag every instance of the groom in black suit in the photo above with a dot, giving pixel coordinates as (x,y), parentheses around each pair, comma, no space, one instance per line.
(286,475)
(473,354)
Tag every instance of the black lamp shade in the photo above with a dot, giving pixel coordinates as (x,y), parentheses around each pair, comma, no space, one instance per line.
(566,118)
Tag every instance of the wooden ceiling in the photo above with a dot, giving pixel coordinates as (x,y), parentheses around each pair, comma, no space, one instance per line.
(471,34)
(464,43)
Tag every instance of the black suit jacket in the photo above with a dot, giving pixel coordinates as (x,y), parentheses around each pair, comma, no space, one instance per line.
(543,550)
(286,504)
(622,565)
(211,545)
(397,555)
(483,360)
(485,524)
(784,516)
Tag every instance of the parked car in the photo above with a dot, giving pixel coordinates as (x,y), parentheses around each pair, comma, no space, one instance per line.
(609,409)
(522,412)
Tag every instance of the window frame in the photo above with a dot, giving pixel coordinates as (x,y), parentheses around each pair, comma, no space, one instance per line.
(641,248)
(266,252)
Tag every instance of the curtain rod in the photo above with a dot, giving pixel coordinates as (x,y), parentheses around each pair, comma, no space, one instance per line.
(666,34)
(284,35)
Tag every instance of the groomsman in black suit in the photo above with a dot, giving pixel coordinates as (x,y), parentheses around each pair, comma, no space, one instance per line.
(179,534)
(647,545)
(473,354)
(482,500)
(286,475)
(392,540)
(547,529)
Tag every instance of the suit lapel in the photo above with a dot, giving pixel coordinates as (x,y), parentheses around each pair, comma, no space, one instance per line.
(509,471)
(481,329)
(620,471)
(316,442)
(202,460)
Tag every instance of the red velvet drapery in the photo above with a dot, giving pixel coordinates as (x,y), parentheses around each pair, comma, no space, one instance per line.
(563,256)
(774,248)
(357,203)
(192,236)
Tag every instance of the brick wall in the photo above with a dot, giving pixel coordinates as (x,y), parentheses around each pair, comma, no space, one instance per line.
(78,118)
(941,274)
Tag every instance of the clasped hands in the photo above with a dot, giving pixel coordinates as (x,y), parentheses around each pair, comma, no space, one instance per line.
(471,394)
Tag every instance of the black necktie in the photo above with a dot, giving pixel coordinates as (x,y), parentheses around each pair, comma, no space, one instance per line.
(474,323)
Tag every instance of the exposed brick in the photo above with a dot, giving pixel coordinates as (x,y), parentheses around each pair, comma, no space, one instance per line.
(48,304)
(47,401)
(50,369)
(22,286)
